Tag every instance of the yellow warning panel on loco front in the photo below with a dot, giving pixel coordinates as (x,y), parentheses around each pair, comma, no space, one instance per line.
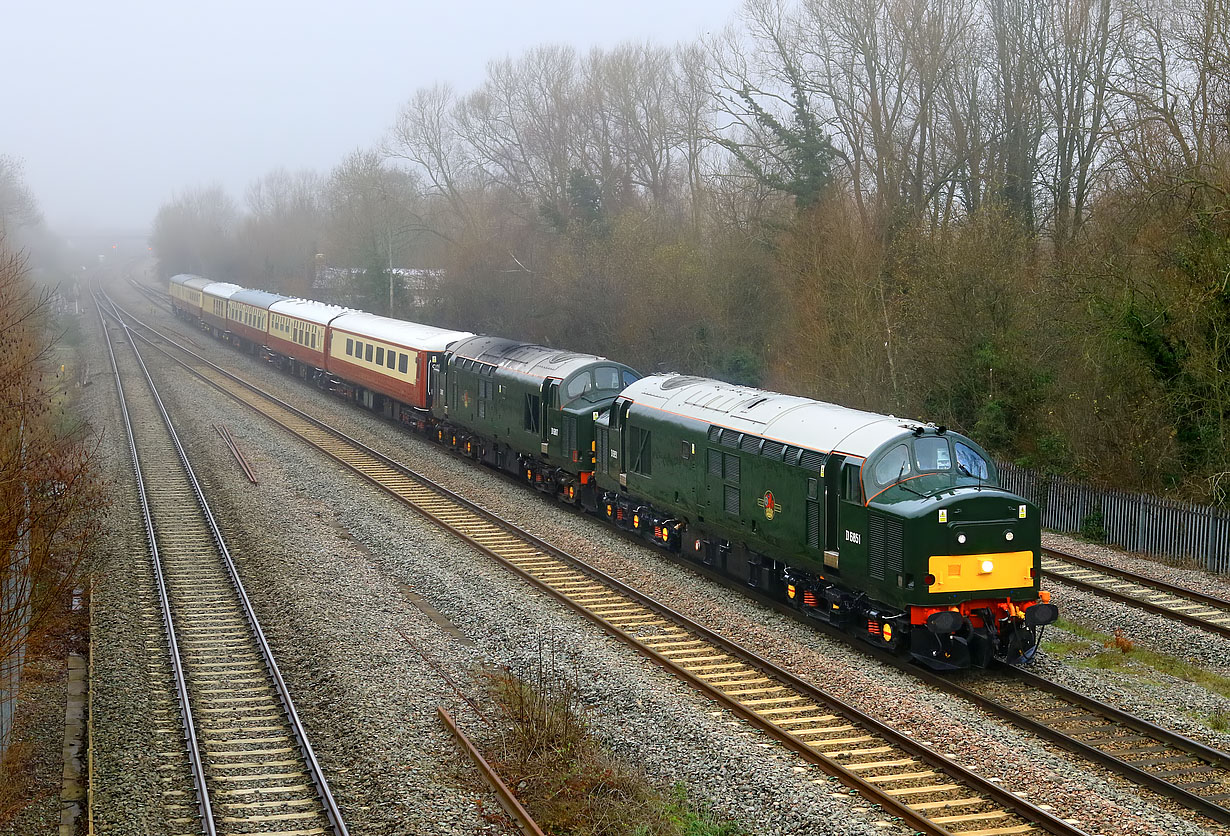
(972,572)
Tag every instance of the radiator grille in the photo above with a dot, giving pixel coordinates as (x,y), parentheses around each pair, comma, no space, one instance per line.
(813,524)
(732,499)
(884,551)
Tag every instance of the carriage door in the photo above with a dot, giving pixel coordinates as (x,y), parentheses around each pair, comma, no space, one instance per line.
(549,403)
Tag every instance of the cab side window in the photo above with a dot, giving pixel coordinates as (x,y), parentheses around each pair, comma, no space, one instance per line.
(852,486)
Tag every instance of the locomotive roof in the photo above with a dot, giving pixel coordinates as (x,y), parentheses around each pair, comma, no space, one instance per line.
(317,312)
(258,298)
(790,419)
(527,358)
(399,331)
(223,290)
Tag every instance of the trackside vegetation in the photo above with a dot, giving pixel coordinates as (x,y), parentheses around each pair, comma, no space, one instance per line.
(1008,217)
(545,750)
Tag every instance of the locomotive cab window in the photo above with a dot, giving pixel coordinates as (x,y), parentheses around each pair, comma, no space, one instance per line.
(893,465)
(931,454)
(641,451)
(970,463)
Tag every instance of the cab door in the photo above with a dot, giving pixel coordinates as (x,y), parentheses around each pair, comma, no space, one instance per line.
(549,420)
(852,521)
(616,457)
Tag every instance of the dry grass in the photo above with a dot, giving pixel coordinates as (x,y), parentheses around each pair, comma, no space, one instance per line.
(564,776)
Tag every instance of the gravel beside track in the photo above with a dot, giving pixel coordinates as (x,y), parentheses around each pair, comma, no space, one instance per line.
(653,720)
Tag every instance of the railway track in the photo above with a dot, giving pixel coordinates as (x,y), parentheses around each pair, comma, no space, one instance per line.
(1182,769)
(239,738)
(907,779)
(1186,605)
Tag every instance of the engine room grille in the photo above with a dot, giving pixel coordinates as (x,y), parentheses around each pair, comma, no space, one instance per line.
(732,499)
(811,460)
(750,444)
(570,433)
(813,524)
(730,438)
(884,551)
(732,468)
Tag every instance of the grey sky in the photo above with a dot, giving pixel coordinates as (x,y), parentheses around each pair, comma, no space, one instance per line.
(113,106)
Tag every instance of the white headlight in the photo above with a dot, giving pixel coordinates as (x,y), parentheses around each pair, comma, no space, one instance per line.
(987,566)
(960,538)
(1008,535)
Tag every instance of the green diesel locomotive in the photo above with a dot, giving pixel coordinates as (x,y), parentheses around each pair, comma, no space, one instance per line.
(891,529)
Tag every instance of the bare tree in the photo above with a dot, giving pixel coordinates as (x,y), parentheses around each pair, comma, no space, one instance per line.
(195,232)
(281,233)
(427,135)
(18,207)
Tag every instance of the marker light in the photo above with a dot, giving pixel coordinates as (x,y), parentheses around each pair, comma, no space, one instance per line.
(887,632)
(987,566)
(961,538)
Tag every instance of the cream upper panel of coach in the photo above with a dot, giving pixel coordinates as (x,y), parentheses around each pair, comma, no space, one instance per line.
(398,331)
(801,422)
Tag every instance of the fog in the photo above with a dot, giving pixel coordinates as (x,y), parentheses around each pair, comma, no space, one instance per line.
(113,107)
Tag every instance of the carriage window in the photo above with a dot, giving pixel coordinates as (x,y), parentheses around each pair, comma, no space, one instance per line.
(313,339)
(367,352)
(350,346)
(931,453)
(402,363)
(894,465)
(970,463)
(379,356)
(392,361)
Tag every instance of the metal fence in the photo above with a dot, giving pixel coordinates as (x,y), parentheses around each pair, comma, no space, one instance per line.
(1132,521)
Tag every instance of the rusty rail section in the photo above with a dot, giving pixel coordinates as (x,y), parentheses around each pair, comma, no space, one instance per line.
(507,800)
(236,452)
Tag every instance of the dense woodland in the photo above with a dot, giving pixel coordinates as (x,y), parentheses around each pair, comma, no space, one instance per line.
(1007,216)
